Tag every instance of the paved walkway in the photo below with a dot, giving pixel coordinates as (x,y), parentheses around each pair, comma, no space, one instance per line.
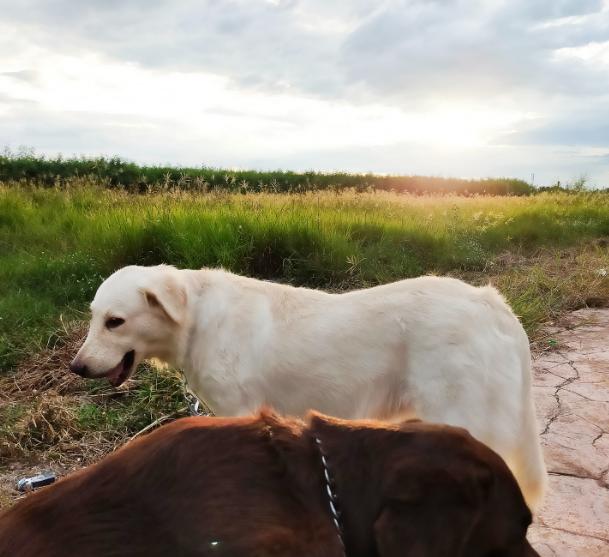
(571,390)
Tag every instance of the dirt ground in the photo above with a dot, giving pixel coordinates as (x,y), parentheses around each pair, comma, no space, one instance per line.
(571,388)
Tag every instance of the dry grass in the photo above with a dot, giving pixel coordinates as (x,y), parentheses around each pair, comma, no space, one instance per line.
(549,283)
(46,371)
(50,418)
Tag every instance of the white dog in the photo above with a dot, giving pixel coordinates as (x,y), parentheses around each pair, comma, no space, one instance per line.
(434,348)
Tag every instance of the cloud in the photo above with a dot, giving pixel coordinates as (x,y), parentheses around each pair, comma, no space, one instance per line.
(256,43)
(466,85)
(397,48)
(29,76)
(403,52)
(586,130)
(475,50)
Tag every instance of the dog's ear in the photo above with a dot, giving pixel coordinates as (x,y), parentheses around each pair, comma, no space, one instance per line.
(432,514)
(167,295)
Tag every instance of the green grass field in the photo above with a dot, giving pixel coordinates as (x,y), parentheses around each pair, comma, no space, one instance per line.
(57,245)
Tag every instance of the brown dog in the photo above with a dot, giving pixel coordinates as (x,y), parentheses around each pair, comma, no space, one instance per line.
(258,487)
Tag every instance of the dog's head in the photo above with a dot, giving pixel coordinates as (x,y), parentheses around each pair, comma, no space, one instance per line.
(457,498)
(135,315)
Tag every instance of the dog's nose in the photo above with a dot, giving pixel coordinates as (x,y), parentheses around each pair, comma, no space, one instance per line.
(78,368)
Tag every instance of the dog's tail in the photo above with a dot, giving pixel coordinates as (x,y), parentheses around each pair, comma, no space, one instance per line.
(528,462)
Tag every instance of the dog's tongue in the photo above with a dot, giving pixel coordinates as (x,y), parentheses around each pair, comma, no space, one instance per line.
(114,375)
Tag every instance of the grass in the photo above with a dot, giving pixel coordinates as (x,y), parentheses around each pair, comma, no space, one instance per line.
(46,410)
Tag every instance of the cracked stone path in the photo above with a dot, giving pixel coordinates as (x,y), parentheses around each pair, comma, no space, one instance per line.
(571,389)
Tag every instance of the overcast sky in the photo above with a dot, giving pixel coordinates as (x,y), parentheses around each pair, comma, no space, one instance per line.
(466,88)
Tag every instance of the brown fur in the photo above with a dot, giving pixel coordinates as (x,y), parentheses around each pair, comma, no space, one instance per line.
(255,486)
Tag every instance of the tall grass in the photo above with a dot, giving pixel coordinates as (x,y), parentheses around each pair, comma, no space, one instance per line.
(117,173)
(57,245)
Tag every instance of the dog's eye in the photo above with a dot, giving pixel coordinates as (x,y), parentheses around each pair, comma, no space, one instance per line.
(114,322)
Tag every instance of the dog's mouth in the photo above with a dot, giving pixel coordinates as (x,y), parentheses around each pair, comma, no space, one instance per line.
(120,373)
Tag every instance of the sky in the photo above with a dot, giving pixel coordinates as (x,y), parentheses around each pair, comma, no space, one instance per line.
(433,87)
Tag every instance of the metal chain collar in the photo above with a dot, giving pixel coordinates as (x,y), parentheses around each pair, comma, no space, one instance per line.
(332,498)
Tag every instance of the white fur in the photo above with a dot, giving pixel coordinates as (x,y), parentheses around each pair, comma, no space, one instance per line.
(435,348)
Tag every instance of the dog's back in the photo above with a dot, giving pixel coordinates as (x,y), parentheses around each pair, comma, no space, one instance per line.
(186,489)
(257,486)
